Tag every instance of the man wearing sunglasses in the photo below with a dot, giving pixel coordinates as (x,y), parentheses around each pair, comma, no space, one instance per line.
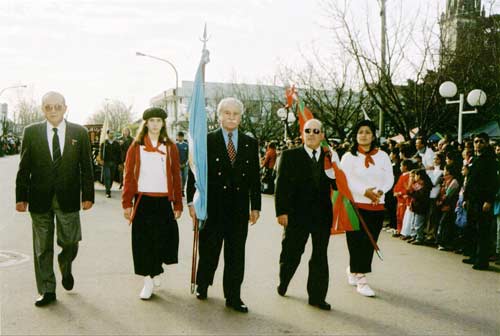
(479,196)
(304,209)
(54,180)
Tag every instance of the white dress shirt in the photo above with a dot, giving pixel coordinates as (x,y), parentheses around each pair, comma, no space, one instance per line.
(61,133)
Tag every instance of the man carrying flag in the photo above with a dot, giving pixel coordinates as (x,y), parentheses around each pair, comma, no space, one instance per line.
(304,209)
(234,200)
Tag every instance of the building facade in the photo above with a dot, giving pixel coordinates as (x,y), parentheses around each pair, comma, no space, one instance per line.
(177,103)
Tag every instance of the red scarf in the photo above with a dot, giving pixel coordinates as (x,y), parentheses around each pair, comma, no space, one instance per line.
(368,156)
(148,145)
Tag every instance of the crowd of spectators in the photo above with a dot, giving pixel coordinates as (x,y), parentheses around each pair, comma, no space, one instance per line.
(9,144)
(439,193)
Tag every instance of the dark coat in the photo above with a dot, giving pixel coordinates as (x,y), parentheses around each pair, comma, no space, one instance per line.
(232,190)
(111,152)
(482,179)
(296,193)
(38,180)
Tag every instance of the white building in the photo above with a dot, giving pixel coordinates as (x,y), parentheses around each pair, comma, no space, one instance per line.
(214,92)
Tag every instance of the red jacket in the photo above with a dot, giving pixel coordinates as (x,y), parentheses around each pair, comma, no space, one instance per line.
(133,167)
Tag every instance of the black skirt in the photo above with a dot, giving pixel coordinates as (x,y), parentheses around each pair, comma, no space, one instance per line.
(155,236)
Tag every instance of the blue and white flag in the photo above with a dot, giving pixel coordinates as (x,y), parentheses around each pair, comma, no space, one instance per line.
(198,140)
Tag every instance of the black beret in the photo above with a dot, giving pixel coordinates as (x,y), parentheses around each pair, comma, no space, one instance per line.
(154,112)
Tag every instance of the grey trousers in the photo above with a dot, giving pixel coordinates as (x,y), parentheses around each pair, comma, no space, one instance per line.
(69,233)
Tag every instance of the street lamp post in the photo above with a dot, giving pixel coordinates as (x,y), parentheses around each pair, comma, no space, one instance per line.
(176,83)
(475,98)
(12,87)
(287,117)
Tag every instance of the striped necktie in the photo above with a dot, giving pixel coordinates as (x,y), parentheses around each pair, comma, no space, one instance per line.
(231,151)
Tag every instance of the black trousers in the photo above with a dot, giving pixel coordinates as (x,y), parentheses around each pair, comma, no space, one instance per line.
(295,237)
(359,245)
(233,234)
(155,236)
(479,230)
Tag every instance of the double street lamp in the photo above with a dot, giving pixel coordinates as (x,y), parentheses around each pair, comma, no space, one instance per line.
(475,98)
(176,82)
(287,117)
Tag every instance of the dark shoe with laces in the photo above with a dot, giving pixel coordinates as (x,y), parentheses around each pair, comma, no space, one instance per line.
(201,292)
(68,282)
(237,305)
(323,305)
(45,299)
(417,242)
(469,261)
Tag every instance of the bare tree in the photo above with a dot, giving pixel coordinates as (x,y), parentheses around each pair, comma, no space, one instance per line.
(404,90)
(119,115)
(27,111)
(326,86)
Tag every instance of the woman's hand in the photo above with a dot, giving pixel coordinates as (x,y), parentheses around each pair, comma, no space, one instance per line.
(177,214)
(127,213)
(373,195)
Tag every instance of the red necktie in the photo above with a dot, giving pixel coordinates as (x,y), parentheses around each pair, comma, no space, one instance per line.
(231,151)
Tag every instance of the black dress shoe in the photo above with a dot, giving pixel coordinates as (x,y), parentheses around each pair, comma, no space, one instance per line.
(45,299)
(323,305)
(68,282)
(237,305)
(281,290)
(201,292)
(481,267)
(469,261)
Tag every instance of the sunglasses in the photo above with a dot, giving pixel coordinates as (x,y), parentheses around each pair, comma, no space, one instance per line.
(314,130)
(479,141)
(53,107)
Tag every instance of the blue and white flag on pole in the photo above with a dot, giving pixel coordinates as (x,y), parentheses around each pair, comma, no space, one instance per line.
(198,140)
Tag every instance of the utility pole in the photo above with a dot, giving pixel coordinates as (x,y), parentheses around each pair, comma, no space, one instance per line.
(383,60)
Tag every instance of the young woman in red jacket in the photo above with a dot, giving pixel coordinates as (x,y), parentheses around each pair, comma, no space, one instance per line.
(151,189)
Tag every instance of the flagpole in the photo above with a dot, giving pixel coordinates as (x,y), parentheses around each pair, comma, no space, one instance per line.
(197,224)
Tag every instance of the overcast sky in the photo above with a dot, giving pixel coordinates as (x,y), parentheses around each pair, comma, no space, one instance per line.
(86,49)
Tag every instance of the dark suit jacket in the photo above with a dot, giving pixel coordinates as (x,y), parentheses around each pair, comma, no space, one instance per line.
(232,190)
(37,178)
(296,193)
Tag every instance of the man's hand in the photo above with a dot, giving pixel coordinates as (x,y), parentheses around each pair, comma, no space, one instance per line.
(282,220)
(254,216)
(177,213)
(87,205)
(21,206)
(192,214)
(127,213)
(486,206)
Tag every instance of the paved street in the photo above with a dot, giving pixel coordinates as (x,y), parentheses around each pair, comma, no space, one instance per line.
(420,291)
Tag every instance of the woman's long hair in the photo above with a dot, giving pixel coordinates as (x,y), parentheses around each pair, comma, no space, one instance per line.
(163,138)
(373,128)
(424,177)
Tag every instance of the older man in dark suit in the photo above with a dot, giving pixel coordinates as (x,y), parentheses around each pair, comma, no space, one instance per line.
(233,200)
(54,176)
(304,209)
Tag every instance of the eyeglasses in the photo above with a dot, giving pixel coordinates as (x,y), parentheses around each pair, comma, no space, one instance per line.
(479,141)
(314,130)
(57,107)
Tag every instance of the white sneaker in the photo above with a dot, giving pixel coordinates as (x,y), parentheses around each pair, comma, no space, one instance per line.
(157,281)
(351,278)
(362,286)
(147,290)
